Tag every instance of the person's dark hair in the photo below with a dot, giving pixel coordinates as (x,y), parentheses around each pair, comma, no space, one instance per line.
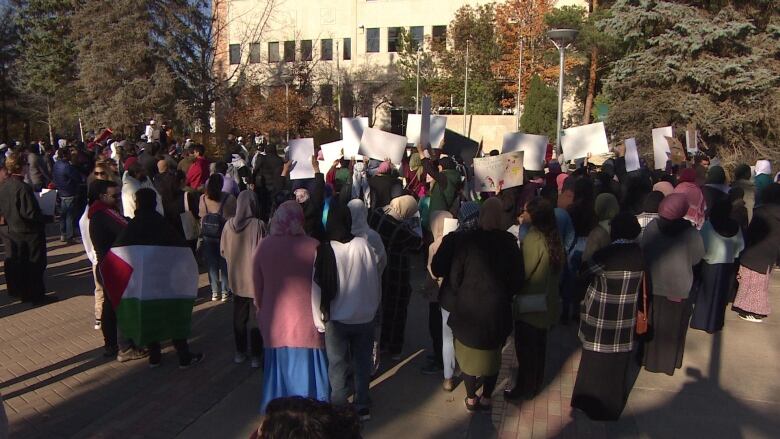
(550,193)
(136,170)
(720,218)
(200,149)
(651,202)
(736,193)
(543,219)
(98,188)
(624,226)
(145,200)
(63,154)
(447,163)
(221,167)
(493,153)
(304,418)
(771,194)
(742,172)
(214,187)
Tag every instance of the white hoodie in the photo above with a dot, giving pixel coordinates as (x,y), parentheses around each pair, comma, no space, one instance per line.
(130,186)
(359,282)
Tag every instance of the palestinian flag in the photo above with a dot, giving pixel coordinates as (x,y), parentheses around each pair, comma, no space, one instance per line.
(153,289)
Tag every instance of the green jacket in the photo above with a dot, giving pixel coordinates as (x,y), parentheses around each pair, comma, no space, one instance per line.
(540,278)
(442,198)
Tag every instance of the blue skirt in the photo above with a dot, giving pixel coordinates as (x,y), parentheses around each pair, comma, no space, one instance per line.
(294,372)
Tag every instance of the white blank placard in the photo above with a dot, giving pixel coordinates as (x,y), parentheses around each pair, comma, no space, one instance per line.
(532,145)
(301,151)
(332,151)
(632,155)
(661,150)
(379,145)
(450,225)
(437,129)
(577,142)
(351,133)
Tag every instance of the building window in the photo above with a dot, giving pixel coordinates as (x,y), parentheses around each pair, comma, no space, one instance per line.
(326,50)
(393,38)
(326,94)
(235,53)
(306,50)
(372,39)
(417,34)
(347,49)
(289,51)
(254,53)
(273,52)
(439,38)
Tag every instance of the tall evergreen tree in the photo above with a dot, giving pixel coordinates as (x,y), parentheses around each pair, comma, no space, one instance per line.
(714,64)
(541,109)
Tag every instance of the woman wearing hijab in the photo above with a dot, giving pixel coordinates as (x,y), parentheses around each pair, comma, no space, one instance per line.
(608,321)
(649,210)
(399,227)
(215,208)
(696,205)
(359,214)
(287,302)
(663,187)
(346,272)
(762,242)
(672,247)
(484,273)
(742,174)
(763,178)
(715,188)
(722,245)
(606,208)
(240,238)
(415,176)
(543,261)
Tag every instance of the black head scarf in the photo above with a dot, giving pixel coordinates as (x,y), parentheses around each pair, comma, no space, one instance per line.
(652,201)
(624,226)
(339,225)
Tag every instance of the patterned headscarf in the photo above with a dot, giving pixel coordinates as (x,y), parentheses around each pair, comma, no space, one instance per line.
(301,195)
(468,216)
(696,204)
(288,220)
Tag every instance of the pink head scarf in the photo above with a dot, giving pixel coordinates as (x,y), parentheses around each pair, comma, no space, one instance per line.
(287,220)
(673,207)
(384,168)
(559,180)
(696,204)
(663,187)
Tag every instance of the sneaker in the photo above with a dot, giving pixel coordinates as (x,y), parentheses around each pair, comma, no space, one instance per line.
(214,297)
(257,362)
(195,359)
(750,318)
(239,357)
(225,296)
(432,369)
(471,407)
(365,414)
(131,354)
(98,324)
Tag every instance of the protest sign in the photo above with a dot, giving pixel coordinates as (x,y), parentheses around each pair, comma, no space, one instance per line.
(301,151)
(577,142)
(690,139)
(437,129)
(632,155)
(677,155)
(661,149)
(332,151)
(450,225)
(532,145)
(380,145)
(351,133)
(500,171)
(47,198)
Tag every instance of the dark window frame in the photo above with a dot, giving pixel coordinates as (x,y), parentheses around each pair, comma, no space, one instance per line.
(255,56)
(439,42)
(373,44)
(415,43)
(326,49)
(347,51)
(307,50)
(234,54)
(273,55)
(394,42)
(288,54)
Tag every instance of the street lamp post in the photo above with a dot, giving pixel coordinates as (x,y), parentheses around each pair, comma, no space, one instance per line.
(287,109)
(417,94)
(466,90)
(561,38)
(519,85)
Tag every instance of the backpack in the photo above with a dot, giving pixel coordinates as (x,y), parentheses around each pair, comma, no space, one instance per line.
(212,223)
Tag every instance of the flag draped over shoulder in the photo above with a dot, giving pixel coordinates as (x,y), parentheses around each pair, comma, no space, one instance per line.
(152,282)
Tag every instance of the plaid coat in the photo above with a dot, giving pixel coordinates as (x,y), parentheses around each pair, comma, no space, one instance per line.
(608,316)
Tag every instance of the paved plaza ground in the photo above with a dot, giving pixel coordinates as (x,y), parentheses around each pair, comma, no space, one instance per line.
(56,383)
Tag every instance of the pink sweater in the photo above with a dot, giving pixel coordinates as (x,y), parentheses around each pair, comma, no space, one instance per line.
(283,270)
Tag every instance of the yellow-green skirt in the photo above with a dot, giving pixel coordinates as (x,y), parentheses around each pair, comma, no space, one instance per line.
(477,362)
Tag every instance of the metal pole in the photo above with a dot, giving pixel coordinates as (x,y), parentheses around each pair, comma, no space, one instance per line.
(287,110)
(519,85)
(338,83)
(466,90)
(561,50)
(81,131)
(417,95)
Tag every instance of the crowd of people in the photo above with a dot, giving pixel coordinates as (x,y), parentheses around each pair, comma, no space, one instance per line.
(319,270)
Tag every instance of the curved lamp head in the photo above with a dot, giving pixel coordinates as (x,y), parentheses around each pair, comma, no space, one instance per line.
(562,37)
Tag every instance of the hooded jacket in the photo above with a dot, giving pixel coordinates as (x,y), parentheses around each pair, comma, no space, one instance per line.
(240,238)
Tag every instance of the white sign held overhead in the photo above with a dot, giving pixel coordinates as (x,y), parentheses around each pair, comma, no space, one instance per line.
(351,133)
(533,146)
(577,142)
(450,225)
(438,127)
(301,151)
(380,145)
(332,151)
(661,150)
(691,135)
(632,155)
(496,172)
